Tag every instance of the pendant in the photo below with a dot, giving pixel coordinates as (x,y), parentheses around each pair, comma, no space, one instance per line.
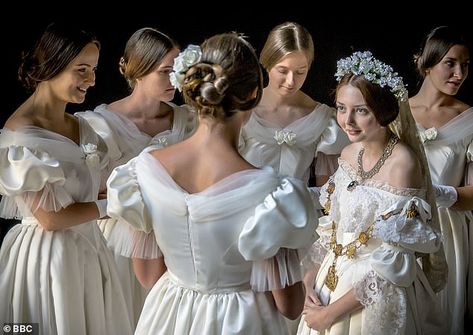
(331,280)
(352,185)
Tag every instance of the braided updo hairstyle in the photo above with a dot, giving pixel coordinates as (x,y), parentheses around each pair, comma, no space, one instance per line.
(225,78)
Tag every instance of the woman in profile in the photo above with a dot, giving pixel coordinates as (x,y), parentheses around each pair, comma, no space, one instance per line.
(145,117)
(55,267)
(445,126)
(228,233)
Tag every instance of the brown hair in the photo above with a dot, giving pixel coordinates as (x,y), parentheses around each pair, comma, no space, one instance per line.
(56,48)
(225,78)
(379,99)
(144,51)
(435,46)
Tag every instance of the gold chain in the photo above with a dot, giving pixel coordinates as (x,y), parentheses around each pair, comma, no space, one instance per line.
(349,250)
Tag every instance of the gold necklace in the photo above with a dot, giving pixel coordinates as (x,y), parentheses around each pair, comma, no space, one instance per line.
(349,250)
(388,150)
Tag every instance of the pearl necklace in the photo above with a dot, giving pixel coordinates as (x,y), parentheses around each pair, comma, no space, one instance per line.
(388,150)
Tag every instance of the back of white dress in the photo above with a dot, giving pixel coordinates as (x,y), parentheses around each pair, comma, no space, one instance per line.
(214,244)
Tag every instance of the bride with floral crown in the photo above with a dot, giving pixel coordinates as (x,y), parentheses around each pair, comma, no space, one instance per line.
(384,259)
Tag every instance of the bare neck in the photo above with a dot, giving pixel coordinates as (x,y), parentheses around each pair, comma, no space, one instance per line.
(430,97)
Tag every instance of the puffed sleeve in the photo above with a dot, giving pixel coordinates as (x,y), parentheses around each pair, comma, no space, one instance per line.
(404,229)
(133,235)
(30,179)
(282,227)
(331,144)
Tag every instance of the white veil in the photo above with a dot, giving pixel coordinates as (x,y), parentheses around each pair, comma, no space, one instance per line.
(404,126)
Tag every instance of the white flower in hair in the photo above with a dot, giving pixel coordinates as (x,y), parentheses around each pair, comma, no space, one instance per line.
(190,56)
(363,63)
(92,159)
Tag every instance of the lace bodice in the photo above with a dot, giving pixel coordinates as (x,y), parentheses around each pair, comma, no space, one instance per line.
(354,211)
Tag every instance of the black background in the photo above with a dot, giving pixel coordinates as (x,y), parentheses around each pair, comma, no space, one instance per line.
(392,38)
(334,38)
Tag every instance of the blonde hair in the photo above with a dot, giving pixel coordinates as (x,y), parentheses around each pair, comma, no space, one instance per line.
(282,40)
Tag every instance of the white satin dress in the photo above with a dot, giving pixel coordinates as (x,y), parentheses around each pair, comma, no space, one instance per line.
(449,151)
(388,281)
(124,141)
(223,247)
(64,280)
(291,150)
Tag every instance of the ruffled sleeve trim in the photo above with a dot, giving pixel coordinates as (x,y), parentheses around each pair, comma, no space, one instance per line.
(130,242)
(280,271)
(29,180)
(408,224)
(133,234)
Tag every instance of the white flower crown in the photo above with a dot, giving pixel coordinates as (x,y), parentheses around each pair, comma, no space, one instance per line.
(363,63)
(190,56)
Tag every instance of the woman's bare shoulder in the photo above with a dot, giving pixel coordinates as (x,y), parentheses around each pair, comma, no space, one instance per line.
(405,169)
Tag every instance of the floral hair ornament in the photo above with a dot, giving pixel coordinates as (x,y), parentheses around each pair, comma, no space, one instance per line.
(190,56)
(375,71)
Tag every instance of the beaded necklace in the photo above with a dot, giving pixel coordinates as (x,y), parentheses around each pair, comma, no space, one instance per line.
(349,250)
(388,150)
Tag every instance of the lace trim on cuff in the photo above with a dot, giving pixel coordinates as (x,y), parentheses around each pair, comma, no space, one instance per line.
(385,305)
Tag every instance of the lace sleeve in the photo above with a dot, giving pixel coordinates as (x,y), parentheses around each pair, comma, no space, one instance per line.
(408,224)
(385,305)
(314,256)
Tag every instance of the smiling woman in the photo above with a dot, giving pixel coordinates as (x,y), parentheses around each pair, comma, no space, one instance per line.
(49,177)
(379,225)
